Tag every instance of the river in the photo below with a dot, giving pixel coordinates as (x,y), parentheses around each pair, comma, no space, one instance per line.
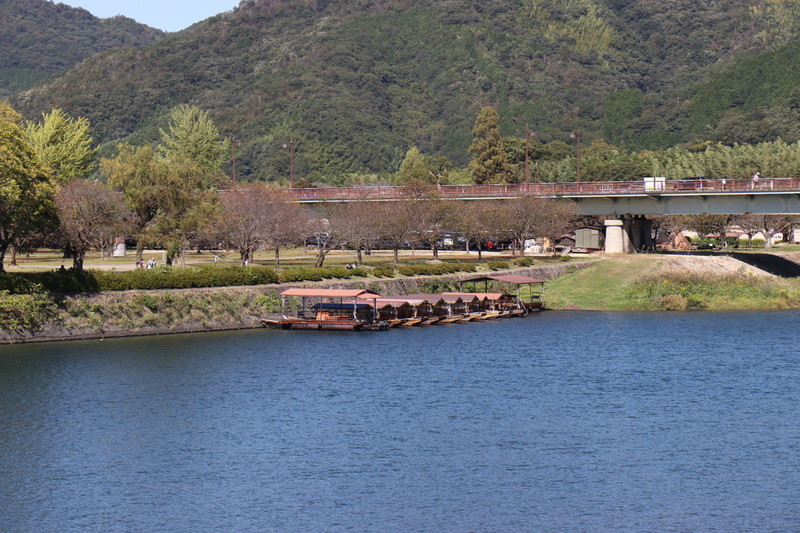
(562,421)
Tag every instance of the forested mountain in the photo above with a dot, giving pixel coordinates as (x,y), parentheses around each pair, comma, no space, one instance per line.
(356,83)
(40,38)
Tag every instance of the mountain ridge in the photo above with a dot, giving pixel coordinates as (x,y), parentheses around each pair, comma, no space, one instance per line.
(41,38)
(357,83)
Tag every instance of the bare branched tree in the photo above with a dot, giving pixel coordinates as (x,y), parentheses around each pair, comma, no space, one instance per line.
(531,216)
(257,216)
(91,216)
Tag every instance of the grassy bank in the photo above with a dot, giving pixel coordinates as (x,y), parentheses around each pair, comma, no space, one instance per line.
(48,316)
(648,283)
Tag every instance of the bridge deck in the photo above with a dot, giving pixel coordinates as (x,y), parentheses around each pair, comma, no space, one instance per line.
(565,190)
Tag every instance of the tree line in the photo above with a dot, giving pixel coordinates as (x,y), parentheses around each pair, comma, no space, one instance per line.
(174,195)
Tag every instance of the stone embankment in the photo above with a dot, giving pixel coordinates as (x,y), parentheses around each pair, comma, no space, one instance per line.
(162,312)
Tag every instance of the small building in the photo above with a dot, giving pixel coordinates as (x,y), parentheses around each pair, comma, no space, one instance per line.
(589,238)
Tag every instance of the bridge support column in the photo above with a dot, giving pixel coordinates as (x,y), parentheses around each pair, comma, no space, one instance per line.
(637,232)
(615,237)
(627,235)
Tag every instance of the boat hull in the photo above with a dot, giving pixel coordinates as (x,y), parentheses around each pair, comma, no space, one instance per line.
(334,325)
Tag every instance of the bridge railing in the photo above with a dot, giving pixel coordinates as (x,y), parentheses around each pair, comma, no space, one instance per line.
(688,186)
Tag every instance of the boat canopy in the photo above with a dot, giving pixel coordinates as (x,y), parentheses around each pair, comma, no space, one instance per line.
(433,298)
(478,295)
(383,301)
(331,293)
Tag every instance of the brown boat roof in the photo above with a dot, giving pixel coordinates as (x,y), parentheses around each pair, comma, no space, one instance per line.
(397,302)
(332,293)
(433,298)
(479,295)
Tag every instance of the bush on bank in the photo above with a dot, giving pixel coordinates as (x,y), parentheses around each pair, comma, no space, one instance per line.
(25,311)
(681,291)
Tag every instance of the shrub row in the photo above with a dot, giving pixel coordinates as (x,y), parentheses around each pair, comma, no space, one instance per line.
(160,278)
(435,270)
(185,278)
(383,271)
(52,282)
(498,265)
(318,274)
(188,278)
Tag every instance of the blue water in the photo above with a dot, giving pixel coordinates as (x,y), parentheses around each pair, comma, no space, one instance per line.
(555,422)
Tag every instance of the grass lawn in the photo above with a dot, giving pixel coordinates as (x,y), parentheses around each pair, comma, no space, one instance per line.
(43,260)
(600,285)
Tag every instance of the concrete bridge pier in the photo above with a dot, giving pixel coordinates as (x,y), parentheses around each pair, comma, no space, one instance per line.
(615,237)
(627,235)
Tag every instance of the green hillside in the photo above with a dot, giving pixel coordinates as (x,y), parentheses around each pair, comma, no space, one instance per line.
(40,38)
(357,83)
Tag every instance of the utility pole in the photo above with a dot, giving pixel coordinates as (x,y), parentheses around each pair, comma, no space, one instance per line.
(577,136)
(234,143)
(290,146)
(528,135)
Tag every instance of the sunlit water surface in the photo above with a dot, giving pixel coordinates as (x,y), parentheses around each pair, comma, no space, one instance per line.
(555,422)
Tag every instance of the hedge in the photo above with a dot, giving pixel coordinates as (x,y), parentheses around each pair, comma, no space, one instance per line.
(383,271)
(53,282)
(160,278)
(435,270)
(91,281)
(185,278)
(524,261)
(320,273)
(498,265)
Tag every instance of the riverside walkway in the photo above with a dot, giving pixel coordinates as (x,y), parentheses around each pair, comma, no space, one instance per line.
(642,197)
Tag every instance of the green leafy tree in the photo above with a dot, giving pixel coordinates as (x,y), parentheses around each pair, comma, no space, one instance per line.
(63,145)
(25,186)
(489,163)
(193,135)
(170,198)
(605,162)
(138,173)
(414,168)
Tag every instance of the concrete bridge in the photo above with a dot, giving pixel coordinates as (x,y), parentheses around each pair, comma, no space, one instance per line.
(627,201)
(651,196)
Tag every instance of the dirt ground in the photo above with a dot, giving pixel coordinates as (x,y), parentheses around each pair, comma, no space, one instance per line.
(709,263)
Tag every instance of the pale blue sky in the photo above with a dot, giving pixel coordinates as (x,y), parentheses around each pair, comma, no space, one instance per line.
(169,15)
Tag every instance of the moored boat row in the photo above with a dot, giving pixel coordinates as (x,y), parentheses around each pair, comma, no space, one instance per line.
(360,309)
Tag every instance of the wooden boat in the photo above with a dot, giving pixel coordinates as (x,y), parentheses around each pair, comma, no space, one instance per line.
(426,309)
(450,319)
(326,324)
(408,322)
